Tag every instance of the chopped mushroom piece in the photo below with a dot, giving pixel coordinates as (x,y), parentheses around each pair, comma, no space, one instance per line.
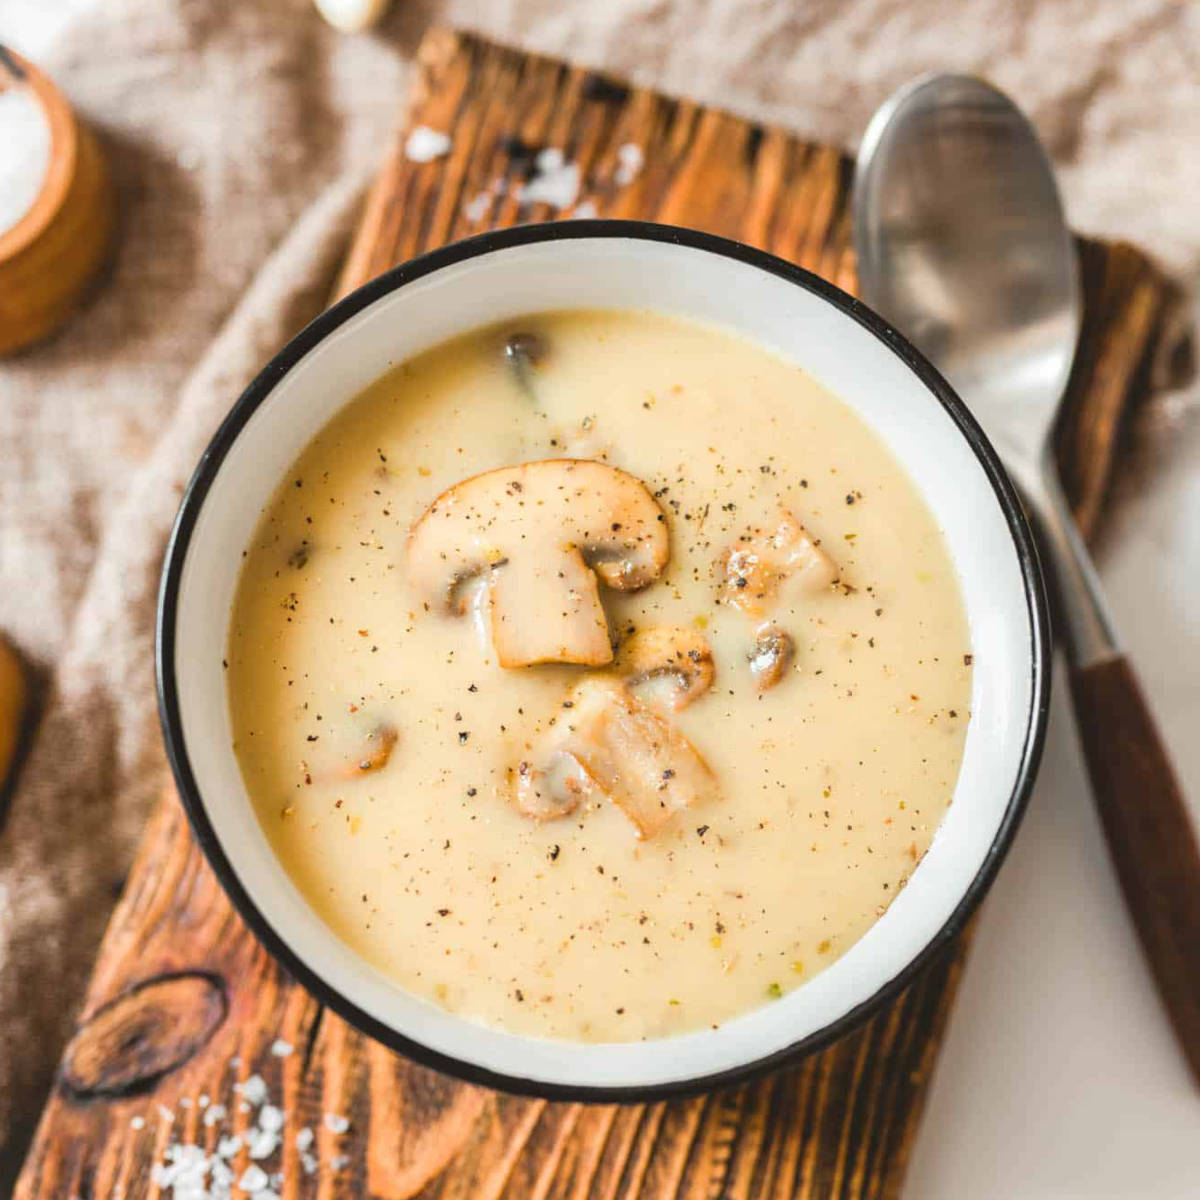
(375,751)
(553,789)
(772,655)
(762,560)
(542,532)
(676,655)
(524,353)
(624,751)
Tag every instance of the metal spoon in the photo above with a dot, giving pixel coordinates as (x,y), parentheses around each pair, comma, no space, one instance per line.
(963,245)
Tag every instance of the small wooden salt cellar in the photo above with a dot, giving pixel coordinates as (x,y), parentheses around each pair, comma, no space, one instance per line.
(53,252)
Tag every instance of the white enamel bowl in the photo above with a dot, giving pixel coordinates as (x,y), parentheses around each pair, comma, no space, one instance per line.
(602,264)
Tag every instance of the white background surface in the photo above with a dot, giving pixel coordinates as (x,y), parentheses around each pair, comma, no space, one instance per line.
(1060,1078)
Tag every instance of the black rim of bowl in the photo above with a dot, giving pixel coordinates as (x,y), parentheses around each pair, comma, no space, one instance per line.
(258,391)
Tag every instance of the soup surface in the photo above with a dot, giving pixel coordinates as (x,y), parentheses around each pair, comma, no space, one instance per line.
(624,844)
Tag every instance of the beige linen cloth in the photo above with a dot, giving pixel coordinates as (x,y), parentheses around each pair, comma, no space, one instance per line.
(241,135)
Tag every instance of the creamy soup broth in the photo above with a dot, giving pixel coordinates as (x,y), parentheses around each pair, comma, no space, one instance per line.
(382,743)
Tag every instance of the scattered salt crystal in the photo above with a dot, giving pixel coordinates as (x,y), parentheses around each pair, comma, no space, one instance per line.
(425,144)
(555,181)
(277,1179)
(165,1113)
(203,1101)
(336,1124)
(138,1122)
(184,1102)
(585,211)
(339,1162)
(266,1194)
(253,1090)
(304,1138)
(254,1179)
(477,207)
(280,1048)
(213,1114)
(184,1171)
(243,1107)
(308,1162)
(270,1117)
(24,153)
(227,1147)
(630,161)
(236,1061)
(262,1143)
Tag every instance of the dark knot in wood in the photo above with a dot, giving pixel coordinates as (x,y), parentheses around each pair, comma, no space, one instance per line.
(130,1043)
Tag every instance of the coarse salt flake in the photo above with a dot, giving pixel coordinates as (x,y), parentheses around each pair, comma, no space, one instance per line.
(335,1123)
(424,145)
(304,1138)
(254,1179)
(555,181)
(261,1143)
(270,1117)
(253,1090)
(630,161)
(280,1048)
(477,207)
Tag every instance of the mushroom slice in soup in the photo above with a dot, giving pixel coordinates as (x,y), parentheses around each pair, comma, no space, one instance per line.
(553,788)
(675,657)
(547,533)
(762,561)
(773,652)
(375,751)
(524,353)
(623,750)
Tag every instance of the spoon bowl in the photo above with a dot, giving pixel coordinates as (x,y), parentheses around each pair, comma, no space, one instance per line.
(963,244)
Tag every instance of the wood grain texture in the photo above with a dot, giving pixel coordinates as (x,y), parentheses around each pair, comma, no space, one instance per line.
(841,1123)
(1149,834)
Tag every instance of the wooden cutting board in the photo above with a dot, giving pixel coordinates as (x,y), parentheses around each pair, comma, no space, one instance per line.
(184,1007)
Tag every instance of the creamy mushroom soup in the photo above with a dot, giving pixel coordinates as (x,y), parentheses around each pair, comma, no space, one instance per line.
(599,677)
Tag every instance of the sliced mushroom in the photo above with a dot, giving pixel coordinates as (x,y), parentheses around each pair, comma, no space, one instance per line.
(543,532)
(623,750)
(554,788)
(374,752)
(674,654)
(772,655)
(762,560)
(524,353)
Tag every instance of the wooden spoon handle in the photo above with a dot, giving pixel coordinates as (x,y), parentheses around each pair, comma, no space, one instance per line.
(1149,832)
